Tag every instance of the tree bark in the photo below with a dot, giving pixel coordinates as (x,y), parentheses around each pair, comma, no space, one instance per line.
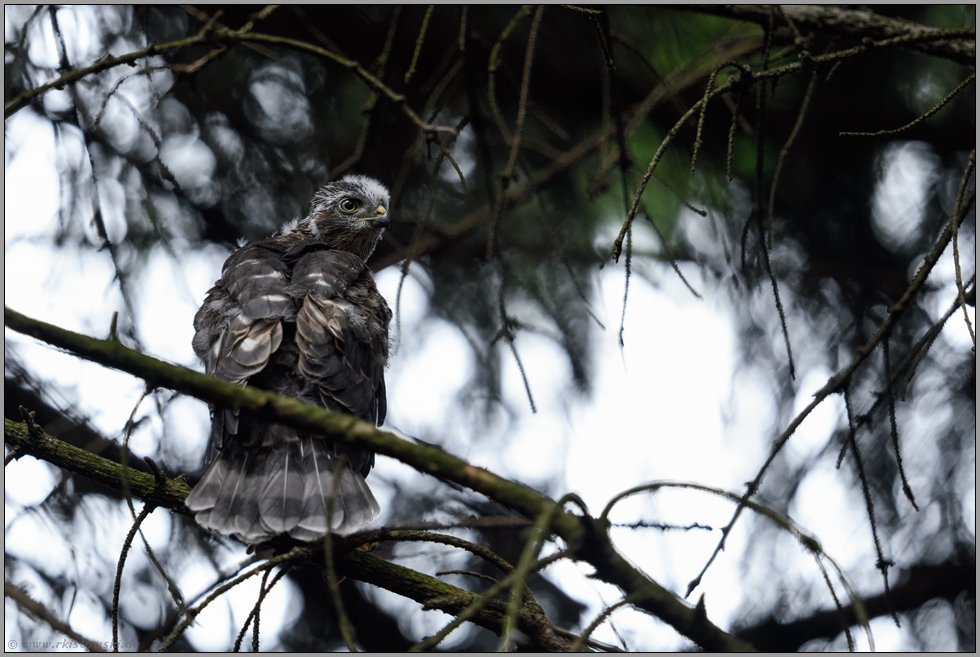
(855,23)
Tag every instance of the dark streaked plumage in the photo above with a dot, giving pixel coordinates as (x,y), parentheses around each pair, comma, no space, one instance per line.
(298,314)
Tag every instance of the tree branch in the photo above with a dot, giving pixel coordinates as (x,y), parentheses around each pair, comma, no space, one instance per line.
(444,236)
(856,23)
(36,609)
(924,583)
(223,38)
(169,493)
(839,380)
(587,538)
(433,593)
(270,406)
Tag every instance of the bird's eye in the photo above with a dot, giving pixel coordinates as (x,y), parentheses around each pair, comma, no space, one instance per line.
(349,206)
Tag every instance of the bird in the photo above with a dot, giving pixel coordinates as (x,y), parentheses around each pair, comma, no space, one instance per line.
(298,314)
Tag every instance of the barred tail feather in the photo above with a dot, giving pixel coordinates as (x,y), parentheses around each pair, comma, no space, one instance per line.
(354,506)
(256,494)
(281,490)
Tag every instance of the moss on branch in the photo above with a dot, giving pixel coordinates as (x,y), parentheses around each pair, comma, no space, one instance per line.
(170,493)
(584,539)
(433,593)
(270,406)
(165,492)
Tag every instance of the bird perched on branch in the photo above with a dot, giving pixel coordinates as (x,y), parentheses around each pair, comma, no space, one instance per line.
(298,314)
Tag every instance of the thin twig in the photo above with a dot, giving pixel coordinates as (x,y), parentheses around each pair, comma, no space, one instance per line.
(346,629)
(626,288)
(730,155)
(445,539)
(779,304)
(147,509)
(919,119)
(956,247)
(525,87)
(192,613)
(704,110)
(479,603)
(121,273)
(526,564)
(263,592)
(432,106)
(492,70)
(916,354)
(667,250)
(508,172)
(845,626)
(413,250)
(474,607)
(618,244)
(452,161)
(368,111)
(807,97)
(418,43)
(893,426)
(594,625)
(882,564)
(505,332)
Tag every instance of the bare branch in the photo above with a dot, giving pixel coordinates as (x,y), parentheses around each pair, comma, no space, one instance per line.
(36,609)
(858,23)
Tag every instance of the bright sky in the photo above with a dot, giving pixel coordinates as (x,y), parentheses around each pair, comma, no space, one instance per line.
(677,403)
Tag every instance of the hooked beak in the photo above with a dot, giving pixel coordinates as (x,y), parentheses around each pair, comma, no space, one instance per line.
(381,216)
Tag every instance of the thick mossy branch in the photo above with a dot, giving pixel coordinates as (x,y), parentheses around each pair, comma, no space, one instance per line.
(270,406)
(169,493)
(433,593)
(585,538)
(644,593)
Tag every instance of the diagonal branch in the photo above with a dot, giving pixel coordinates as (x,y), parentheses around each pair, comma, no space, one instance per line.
(36,609)
(270,406)
(587,538)
(836,382)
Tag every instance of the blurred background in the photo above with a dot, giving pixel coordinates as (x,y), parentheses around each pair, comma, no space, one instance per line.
(518,343)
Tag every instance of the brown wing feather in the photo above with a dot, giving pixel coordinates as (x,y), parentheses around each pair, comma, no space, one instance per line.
(304,321)
(342,332)
(239,327)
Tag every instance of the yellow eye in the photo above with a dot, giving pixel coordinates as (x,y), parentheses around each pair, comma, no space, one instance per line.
(349,205)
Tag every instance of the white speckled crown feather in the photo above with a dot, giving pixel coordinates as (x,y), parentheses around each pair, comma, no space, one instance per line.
(366,187)
(355,231)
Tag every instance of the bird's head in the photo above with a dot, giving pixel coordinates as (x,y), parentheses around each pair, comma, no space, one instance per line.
(350,214)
